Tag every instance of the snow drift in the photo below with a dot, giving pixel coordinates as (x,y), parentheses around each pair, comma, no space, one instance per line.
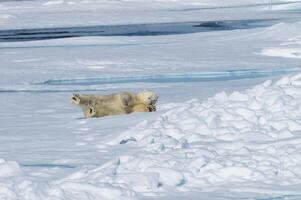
(244,141)
(250,139)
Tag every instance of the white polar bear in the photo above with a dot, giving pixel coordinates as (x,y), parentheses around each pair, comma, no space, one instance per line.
(115,104)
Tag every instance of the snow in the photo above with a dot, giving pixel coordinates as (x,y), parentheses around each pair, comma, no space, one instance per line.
(291,48)
(227,124)
(283,52)
(9,168)
(291,6)
(24,14)
(194,145)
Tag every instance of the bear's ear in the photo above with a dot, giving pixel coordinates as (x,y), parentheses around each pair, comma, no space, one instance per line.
(155,96)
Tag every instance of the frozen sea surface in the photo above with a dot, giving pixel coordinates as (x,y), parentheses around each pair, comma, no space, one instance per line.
(228,119)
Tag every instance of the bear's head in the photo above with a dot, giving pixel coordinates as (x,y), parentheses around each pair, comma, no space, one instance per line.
(75,99)
(148,97)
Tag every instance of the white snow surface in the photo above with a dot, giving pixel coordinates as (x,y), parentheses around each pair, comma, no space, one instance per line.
(244,140)
(228,119)
(49,13)
(291,48)
(250,138)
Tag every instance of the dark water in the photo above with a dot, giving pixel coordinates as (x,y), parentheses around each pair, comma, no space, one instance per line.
(154,29)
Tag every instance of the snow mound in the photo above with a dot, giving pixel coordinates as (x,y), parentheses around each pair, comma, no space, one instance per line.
(9,168)
(249,138)
(15,185)
(246,141)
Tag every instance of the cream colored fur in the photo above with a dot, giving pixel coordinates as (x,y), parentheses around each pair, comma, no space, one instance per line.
(115,104)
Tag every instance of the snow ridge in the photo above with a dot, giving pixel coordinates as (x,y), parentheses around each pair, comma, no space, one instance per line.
(250,138)
(244,141)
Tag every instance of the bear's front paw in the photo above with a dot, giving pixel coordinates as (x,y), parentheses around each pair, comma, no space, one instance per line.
(151,108)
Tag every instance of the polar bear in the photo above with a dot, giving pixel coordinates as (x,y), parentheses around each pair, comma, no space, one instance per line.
(115,104)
